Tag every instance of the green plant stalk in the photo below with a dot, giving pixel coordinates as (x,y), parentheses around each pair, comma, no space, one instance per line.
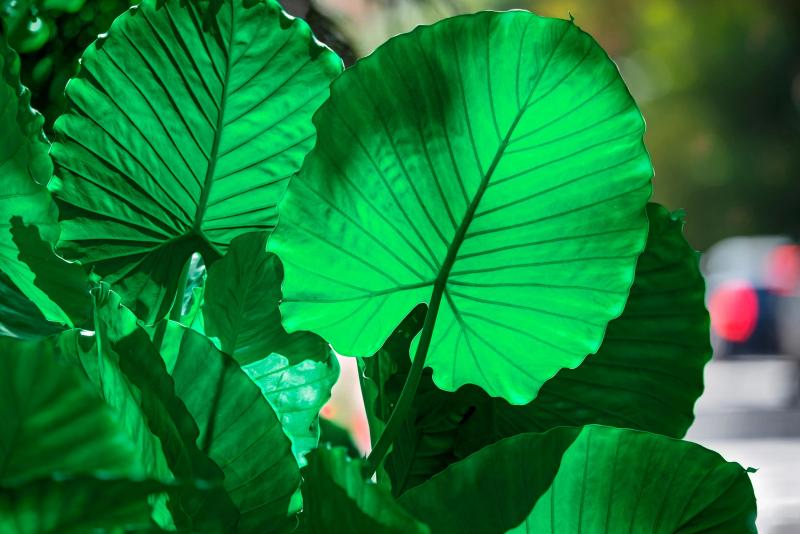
(177,307)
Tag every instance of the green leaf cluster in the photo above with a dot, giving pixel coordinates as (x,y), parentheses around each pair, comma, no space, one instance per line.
(465,211)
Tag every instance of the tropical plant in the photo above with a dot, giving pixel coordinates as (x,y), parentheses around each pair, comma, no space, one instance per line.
(466,213)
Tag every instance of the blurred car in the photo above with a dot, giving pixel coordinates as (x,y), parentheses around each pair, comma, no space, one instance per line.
(753,296)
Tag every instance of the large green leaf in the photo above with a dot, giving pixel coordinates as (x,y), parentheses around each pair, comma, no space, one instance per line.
(186,121)
(133,379)
(238,430)
(240,306)
(490,165)
(53,420)
(592,479)
(25,170)
(78,505)
(335,493)
(297,393)
(647,374)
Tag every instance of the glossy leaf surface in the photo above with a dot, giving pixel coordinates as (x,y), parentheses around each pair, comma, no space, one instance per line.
(238,429)
(25,170)
(240,306)
(19,317)
(335,493)
(186,120)
(589,479)
(490,165)
(297,393)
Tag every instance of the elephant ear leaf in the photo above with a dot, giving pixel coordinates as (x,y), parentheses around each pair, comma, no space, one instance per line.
(491,166)
(588,479)
(185,122)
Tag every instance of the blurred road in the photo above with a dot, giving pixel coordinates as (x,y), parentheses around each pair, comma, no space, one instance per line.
(750,414)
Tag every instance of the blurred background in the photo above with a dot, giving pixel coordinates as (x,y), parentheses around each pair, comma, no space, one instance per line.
(718,82)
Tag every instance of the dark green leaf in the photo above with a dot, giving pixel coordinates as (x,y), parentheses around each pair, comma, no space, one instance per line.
(238,430)
(590,479)
(490,165)
(241,306)
(78,505)
(335,493)
(133,379)
(53,420)
(19,317)
(186,121)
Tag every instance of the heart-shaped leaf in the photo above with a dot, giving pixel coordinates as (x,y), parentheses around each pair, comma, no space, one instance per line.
(240,306)
(186,121)
(491,166)
(589,479)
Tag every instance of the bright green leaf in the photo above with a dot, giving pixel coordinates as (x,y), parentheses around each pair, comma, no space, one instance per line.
(186,121)
(335,493)
(648,372)
(490,165)
(297,393)
(240,306)
(590,479)
(238,430)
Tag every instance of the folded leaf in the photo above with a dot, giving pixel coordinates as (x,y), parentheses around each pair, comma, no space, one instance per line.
(335,493)
(491,166)
(186,120)
(590,479)
(240,306)
(238,430)
(133,379)
(25,169)
(297,393)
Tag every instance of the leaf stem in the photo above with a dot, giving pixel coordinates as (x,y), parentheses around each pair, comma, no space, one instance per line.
(406,398)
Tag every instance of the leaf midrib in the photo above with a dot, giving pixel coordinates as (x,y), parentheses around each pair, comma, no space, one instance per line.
(458,239)
(208,181)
